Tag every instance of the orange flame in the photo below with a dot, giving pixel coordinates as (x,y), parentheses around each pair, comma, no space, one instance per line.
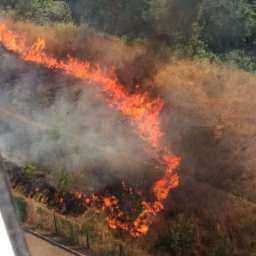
(142,111)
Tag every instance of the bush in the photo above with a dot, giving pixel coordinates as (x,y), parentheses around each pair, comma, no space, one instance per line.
(180,239)
(43,11)
(173,21)
(21,207)
(64,181)
(240,59)
(223,247)
(29,171)
(227,24)
(121,17)
(8,3)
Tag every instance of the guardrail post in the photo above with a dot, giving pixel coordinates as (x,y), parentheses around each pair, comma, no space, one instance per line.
(87,241)
(121,250)
(55,223)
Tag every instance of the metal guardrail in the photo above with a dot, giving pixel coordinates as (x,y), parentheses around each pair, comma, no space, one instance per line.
(10,218)
(53,242)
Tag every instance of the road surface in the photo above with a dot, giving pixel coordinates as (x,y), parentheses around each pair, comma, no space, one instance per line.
(39,247)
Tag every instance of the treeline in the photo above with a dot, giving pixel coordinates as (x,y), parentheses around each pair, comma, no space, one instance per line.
(221,25)
(39,11)
(224,29)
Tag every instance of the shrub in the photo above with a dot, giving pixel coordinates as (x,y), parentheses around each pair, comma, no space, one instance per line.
(239,59)
(64,180)
(223,247)
(29,171)
(43,11)
(172,21)
(227,24)
(180,239)
(21,207)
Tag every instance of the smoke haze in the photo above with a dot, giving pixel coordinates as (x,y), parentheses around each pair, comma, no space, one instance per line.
(60,123)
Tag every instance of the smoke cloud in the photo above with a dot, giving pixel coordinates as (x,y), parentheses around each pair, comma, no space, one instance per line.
(60,123)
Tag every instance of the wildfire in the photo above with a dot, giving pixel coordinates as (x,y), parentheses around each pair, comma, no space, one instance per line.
(142,111)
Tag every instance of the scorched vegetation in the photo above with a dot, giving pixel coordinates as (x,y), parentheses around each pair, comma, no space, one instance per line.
(127,128)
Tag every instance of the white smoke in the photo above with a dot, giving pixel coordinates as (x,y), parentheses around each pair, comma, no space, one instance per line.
(58,123)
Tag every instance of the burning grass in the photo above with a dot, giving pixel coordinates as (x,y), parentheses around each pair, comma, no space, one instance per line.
(204,111)
(139,108)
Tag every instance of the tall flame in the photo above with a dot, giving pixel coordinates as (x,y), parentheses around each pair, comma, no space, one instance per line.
(142,111)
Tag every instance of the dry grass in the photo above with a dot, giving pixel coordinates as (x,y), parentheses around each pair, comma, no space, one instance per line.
(82,42)
(209,120)
(133,61)
(212,111)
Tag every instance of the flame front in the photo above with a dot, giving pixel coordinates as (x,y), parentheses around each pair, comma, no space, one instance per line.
(142,111)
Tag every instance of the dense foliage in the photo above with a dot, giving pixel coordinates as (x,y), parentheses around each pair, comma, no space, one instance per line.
(222,25)
(223,29)
(41,11)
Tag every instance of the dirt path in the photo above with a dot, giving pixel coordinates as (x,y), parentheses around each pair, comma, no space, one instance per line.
(39,247)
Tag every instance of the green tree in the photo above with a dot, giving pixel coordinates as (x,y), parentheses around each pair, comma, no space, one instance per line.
(43,11)
(64,180)
(173,20)
(121,17)
(227,24)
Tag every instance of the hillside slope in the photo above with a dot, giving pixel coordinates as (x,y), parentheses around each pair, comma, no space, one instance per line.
(209,120)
